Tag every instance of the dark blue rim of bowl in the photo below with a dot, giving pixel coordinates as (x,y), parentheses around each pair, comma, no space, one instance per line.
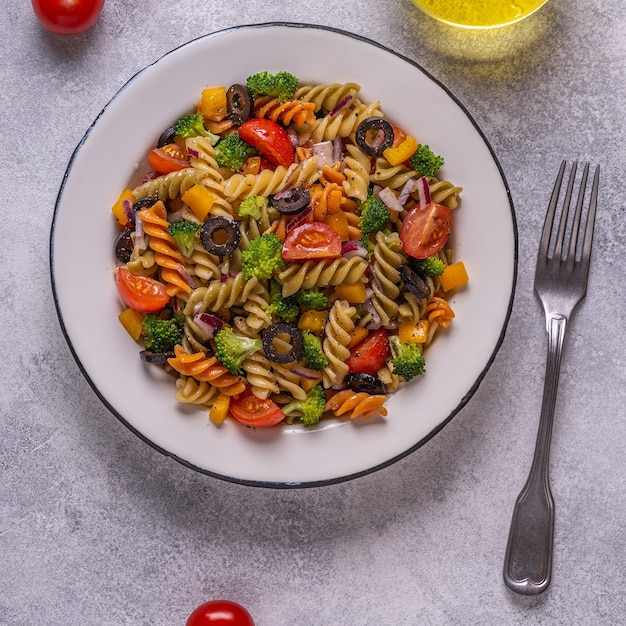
(315,483)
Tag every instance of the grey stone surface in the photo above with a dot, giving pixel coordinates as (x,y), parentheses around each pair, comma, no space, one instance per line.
(98,528)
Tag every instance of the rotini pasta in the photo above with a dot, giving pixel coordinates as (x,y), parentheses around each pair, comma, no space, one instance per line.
(300,281)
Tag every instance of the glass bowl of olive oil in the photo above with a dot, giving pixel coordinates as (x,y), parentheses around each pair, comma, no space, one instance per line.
(479,13)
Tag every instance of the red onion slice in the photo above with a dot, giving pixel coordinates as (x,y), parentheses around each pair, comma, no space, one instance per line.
(305,372)
(353,248)
(208,325)
(324,152)
(127,205)
(140,239)
(391,201)
(410,186)
(342,104)
(423,191)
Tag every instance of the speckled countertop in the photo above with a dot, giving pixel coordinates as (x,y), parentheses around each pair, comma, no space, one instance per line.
(96,527)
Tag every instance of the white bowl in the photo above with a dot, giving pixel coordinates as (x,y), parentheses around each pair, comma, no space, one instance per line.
(141,396)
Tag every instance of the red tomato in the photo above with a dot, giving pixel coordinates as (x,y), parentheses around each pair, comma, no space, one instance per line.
(169,158)
(425,230)
(312,240)
(67,17)
(220,613)
(269,138)
(252,411)
(141,293)
(370,355)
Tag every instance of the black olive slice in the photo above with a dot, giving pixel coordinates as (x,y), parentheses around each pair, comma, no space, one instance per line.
(160,358)
(365,383)
(276,355)
(124,246)
(413,281)
(167,136)
(144,203)
(220,236)
(291,201)
(367,136)
(239,103)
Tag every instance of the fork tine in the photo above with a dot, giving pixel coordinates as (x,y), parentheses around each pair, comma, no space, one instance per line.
(544,242)
(573,243)
(558,247)
(591,219)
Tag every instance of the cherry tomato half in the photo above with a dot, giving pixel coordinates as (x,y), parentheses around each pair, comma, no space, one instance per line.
(370,355)
(168,158)
(220,613)
(425,230)
(312,240)
(141,293)
(252,411)
(269,138)
(67,17)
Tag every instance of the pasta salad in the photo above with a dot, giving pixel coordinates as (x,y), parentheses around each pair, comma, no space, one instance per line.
(287,255)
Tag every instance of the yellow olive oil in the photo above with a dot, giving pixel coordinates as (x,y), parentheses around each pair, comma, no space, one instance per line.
(479,13)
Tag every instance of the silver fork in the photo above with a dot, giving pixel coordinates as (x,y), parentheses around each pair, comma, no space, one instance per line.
(560,283)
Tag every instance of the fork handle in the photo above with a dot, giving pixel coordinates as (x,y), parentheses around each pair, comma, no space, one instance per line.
(528,560)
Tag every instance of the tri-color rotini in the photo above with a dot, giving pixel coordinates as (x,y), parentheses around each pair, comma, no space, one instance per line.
(364,283)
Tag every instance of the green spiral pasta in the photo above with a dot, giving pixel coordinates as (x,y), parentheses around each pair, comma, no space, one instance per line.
(337,337)
(321,273)
(327,97)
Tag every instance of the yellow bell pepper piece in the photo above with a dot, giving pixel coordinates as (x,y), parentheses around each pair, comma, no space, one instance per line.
(213,103)
(219,409)
(118,207)
(200,200)
(408,331)
(354,293)
(403,151)
(313,321)
(132,321)
(454,276)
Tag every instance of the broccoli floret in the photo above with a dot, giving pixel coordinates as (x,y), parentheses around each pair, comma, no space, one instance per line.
(263,257)
(407,360)
(312,299)
(232,350)
(281,86)
(192,126)
(184,233)
(251,206)
(231,151)
(311,408)
(312,352)
(161,335)
(425,161)
(374,214)
(286,309)
(432,266)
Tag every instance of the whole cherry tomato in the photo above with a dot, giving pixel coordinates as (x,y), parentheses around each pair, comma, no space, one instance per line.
(220,613)
(67,17)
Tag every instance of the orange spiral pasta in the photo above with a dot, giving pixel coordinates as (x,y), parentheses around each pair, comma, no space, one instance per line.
(207,369)
(356,404)
(439,311)
(296,111)
(166,254)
